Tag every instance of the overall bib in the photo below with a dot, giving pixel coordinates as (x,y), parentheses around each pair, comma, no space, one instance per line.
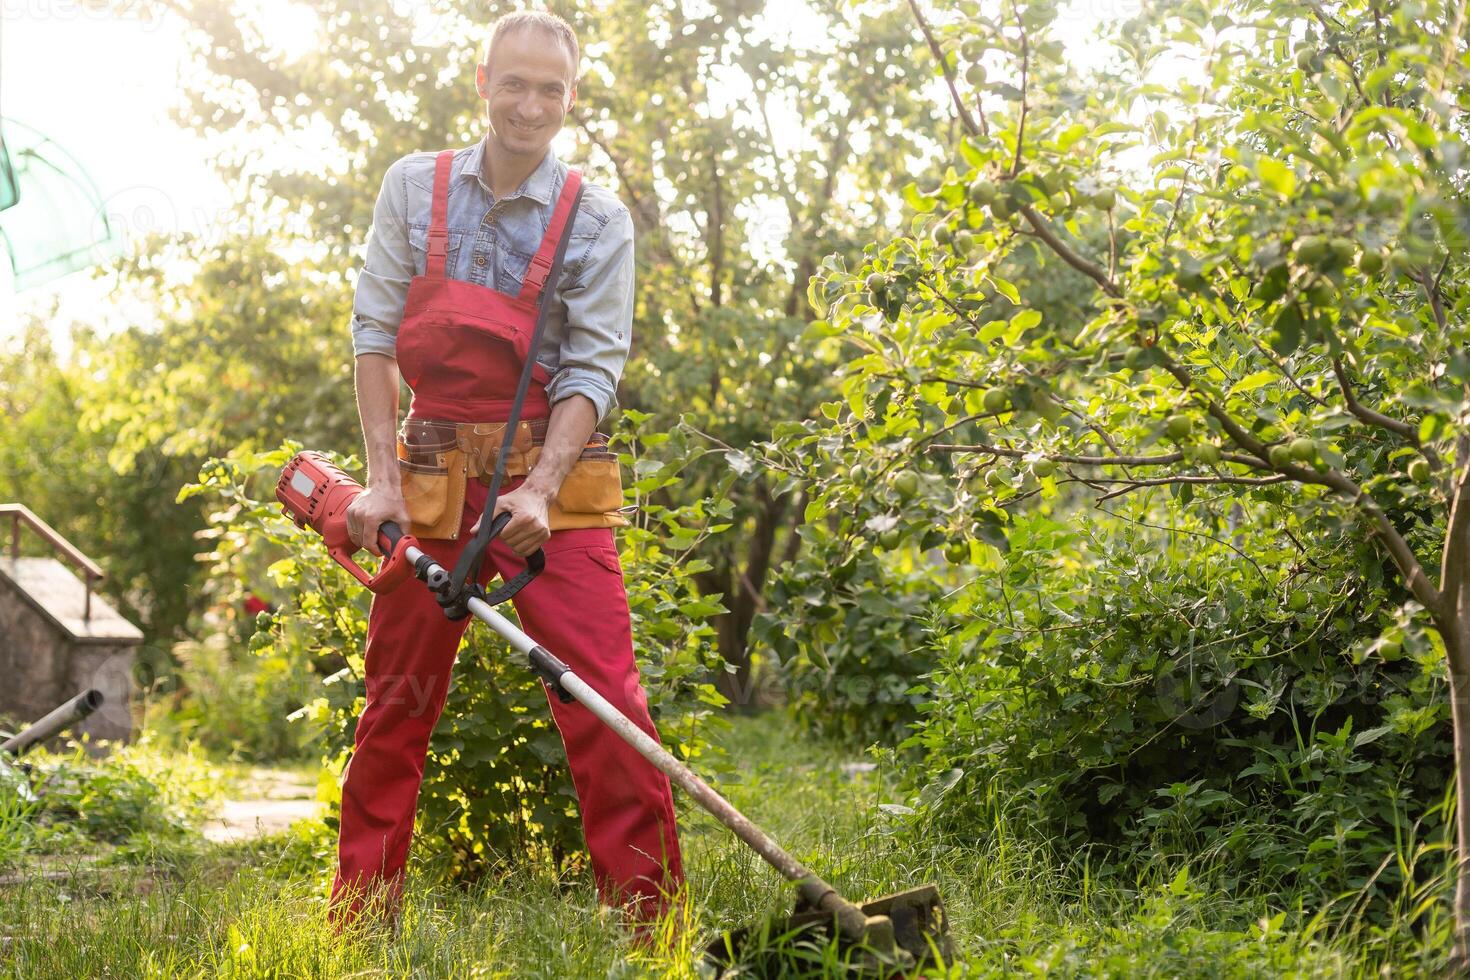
(461,348)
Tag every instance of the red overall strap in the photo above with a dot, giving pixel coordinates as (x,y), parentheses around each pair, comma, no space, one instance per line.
(540,266)
(439,216)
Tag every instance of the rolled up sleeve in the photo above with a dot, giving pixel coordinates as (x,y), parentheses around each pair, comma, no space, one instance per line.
(599,323)
(382,285)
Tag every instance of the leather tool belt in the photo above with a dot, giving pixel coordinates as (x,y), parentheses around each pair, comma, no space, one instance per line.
(438,458)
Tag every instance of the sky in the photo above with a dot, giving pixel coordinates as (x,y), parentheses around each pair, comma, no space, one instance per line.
(57,56)
(102,83)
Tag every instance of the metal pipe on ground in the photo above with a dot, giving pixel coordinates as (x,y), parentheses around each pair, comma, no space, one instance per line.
(66,714)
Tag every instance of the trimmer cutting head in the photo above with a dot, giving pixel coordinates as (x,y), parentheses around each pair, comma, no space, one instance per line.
(907,931)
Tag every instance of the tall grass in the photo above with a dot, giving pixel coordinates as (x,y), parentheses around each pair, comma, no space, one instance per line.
(256,910)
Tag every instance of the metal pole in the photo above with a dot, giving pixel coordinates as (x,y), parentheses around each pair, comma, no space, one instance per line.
(15,536)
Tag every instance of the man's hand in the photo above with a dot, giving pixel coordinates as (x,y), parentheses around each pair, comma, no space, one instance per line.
(529,526)
(370,510)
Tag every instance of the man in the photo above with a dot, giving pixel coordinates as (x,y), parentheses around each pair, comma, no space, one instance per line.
(459,252)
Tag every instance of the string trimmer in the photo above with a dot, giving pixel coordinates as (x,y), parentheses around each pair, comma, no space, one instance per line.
(896,933)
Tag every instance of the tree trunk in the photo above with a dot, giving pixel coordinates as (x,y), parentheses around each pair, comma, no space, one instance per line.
(1453,621)
(1460,715)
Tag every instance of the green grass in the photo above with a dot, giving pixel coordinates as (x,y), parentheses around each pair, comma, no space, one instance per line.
(256,910)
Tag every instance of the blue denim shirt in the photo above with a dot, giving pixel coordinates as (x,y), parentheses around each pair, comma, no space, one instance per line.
(589,325)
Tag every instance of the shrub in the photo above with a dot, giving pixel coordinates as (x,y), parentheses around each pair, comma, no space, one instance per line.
(1144,697)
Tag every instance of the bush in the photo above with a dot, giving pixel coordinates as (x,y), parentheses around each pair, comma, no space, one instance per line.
(1146,698)
(495,782)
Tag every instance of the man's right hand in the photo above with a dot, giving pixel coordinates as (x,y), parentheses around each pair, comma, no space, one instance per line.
(372,508)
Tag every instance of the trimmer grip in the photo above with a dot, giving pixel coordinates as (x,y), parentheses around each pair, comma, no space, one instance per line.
(535,565)
(388,536)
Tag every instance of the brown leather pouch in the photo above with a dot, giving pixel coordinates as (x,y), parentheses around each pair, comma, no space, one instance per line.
(433,490)
(592,493)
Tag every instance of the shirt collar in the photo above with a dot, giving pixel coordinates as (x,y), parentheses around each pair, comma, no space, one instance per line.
(537,186)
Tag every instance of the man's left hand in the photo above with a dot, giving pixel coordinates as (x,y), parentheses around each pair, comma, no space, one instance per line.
(529,526)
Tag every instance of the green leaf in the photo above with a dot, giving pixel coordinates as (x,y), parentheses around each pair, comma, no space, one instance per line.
(1287,329)
(1253,381)
(1025,320)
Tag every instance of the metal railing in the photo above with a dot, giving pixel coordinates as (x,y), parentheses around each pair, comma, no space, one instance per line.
(21,514)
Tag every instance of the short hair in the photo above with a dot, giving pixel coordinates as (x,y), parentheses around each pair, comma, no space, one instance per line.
(539,21)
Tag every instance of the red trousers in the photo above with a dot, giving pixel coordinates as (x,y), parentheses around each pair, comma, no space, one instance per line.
(578,609)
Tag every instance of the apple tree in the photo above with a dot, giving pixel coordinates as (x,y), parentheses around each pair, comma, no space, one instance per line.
(1259,208)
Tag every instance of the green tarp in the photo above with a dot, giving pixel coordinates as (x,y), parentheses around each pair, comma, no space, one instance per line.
(55,222)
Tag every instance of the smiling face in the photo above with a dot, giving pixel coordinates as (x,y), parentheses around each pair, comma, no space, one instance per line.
(528,87)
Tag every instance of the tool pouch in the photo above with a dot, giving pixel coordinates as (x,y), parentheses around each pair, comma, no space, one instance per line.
(433,474)
(592,493)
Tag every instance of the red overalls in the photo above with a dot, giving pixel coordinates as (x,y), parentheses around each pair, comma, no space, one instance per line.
(461,348)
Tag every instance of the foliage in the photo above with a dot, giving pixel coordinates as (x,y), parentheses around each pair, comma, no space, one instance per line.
(1145,697)
(1264,347)
(139,798)
(496,782)
(98,442)
(849,636)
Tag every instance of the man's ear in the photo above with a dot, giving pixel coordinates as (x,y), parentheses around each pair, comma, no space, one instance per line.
(572,97)
(480,81)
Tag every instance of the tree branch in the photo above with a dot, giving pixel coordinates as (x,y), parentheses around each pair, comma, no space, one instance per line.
(1455,564)
(1065,253)
(1025,103)
(1128,486)
(1398,548)
(954,92)
(1161,460)
(1368,415)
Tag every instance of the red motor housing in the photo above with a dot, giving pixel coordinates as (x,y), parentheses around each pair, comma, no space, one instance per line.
(315,492)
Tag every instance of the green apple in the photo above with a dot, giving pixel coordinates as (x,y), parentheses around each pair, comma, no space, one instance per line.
(906,484)
(943,233)
(996,400)
(875,281)
(1279,455)
(975,74)
(1178,426)
(1303,450)
(1207,453)
(1104,200)
(1419,471)
(981,192)
(1044,467)
(1371,263)
(1311,249)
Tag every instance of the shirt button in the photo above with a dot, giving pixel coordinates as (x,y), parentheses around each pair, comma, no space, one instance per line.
(480,261)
